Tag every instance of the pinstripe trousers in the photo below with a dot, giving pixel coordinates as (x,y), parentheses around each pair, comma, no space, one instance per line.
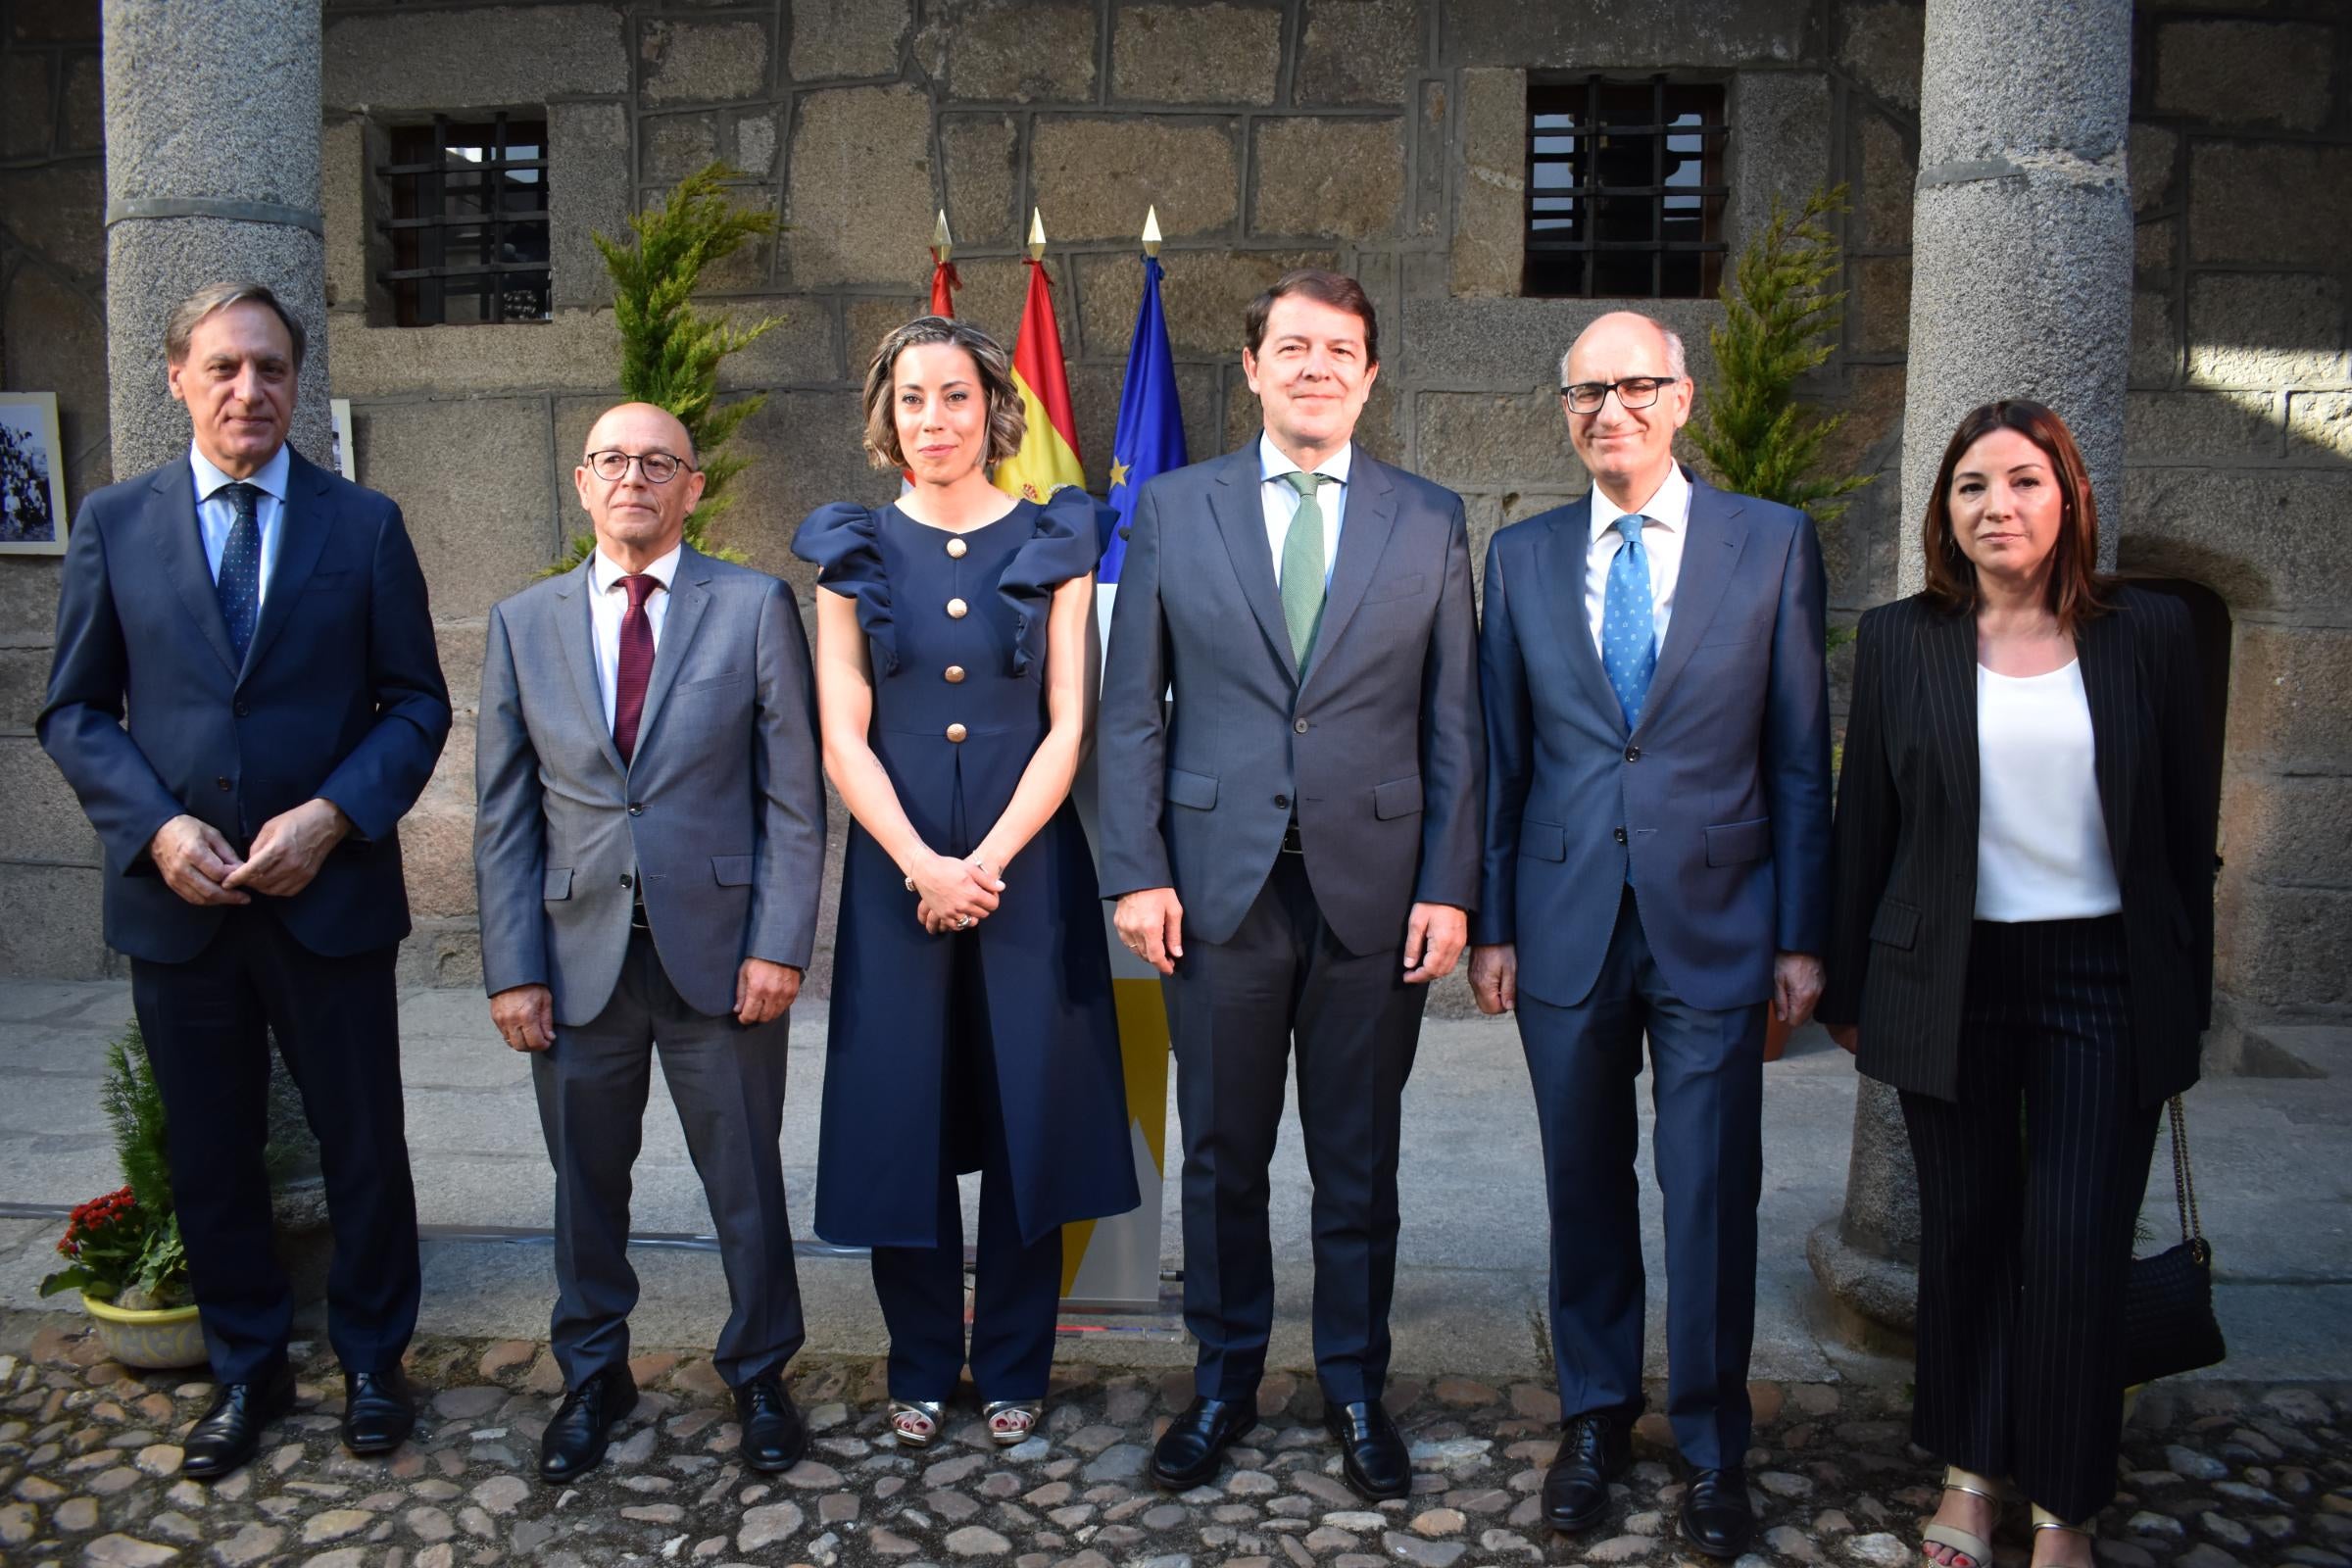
(2024,1255)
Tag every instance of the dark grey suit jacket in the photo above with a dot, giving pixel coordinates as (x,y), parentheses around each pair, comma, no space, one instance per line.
(1377,751)
(720,809)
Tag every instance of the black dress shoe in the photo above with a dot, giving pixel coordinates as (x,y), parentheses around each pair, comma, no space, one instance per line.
(380,1410)
(1594,1451)
(1372,1452)
(1186,1453)
(229,1434)
(1716,1516)
(574,1440)
(773,1437)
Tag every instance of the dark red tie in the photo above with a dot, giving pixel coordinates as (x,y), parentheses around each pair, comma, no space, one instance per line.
(636,663)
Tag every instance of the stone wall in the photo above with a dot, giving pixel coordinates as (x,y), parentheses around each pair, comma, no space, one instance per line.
(1380,136)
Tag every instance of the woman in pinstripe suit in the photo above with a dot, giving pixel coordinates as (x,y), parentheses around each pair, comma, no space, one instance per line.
(2023,918)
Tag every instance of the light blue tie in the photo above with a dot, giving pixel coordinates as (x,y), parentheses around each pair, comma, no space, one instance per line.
(1629,643)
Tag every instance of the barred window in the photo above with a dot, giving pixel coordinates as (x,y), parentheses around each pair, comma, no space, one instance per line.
(468,230)
(1625,190)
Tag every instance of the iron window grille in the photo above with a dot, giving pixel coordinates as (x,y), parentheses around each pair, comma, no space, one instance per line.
(1625,189)
(468,228)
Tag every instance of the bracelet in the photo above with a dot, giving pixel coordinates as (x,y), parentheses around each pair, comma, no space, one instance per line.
(910,884)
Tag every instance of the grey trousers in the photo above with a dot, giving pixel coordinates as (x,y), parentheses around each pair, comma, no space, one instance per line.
(727,1082)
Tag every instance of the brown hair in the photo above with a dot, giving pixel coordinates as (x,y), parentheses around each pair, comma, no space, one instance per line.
(1008,420)
(2076,589)
(1335,289)
(218,297)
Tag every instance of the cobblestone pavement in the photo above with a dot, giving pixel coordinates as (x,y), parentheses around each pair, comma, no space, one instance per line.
(2217,1476)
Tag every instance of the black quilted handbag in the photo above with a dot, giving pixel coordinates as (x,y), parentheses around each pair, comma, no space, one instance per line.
(2168,1326)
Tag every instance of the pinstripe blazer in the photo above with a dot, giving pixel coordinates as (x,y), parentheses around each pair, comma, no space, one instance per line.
(1905,873)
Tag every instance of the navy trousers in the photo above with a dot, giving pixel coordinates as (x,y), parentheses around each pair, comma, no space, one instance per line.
(2024,1256)
(1708,1091)
(208,1023)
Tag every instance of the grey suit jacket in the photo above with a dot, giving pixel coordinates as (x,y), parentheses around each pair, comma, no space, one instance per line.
(1376,750)
(721,810)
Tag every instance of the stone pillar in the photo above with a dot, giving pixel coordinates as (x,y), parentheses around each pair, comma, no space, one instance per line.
(2020,286)
(212,171)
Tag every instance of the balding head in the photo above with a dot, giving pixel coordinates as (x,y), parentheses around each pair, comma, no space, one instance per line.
(637,519)
(1629,451)
(1669,340)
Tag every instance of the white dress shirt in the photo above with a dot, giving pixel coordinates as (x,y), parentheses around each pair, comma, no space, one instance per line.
(2041,834)
(216,513)
(1666,523)
(1281,501)
(609,603)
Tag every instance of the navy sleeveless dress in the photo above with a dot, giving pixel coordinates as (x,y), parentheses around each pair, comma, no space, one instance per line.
(956,638)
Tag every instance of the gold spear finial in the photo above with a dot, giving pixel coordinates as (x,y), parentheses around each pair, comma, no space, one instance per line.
(1151,232)
(940,240)
(1037,235)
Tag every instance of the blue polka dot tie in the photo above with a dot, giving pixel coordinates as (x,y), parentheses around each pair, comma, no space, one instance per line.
(1629,643)
(239,584)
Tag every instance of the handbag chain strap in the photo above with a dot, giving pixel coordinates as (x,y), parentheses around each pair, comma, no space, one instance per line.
(2185,1186)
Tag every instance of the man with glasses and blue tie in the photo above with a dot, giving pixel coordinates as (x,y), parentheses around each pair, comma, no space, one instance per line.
(648,846)
(1656,838)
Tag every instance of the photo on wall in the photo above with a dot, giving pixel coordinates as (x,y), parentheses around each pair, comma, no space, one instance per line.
(343,450)
(32,475)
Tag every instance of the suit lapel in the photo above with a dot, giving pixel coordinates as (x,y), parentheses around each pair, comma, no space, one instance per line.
(1242,519)
(1564,560)
(575,632)
(180,545)
(689,597)
(302,525)
(1713,540)
(1367,520)
(1947,665)
(2110,685)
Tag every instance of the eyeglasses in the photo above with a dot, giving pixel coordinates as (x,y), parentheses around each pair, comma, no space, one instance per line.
(1634,392)
(612,466)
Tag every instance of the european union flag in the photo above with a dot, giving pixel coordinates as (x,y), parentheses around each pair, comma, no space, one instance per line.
(1151,433)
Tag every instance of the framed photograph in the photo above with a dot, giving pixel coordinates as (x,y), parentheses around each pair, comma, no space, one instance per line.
(347,454)
(32,475)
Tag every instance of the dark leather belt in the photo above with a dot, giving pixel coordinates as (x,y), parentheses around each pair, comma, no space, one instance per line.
(637,919)
(1290,838)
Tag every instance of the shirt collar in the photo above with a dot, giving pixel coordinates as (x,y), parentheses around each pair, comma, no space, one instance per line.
(1272,464)
(603,572)
(1669,505)
(271,481)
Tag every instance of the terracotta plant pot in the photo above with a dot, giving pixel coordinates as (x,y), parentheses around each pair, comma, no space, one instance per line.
(150,1340)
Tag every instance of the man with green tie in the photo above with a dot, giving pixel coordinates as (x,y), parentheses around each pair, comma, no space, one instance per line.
(1294,843)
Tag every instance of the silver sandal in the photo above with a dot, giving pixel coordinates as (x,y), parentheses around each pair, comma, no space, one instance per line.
(1977,1549)
(1011,1421)
(914,1423)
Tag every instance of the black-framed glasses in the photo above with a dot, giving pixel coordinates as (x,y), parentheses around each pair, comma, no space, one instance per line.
(612,466)
(1634,392)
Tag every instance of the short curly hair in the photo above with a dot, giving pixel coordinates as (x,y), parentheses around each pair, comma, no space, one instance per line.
(1008,420)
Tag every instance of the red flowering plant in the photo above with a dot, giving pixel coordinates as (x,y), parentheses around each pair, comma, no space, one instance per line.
(124,1247)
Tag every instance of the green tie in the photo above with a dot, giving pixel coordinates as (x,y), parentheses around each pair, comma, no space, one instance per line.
(1302,566)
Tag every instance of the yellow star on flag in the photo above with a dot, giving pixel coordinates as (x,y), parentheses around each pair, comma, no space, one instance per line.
(1118,472)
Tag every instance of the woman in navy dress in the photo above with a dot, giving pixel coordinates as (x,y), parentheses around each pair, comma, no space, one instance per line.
(972,1026)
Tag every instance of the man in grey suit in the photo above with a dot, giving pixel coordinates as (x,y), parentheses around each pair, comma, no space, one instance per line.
(1296,845)
(1657,864)
(648,848)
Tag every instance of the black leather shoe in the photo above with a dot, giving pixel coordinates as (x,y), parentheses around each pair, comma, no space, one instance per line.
(380,1410)
(574,1440)
(1186,1453)
(1372,1452)
(1716,1516)
(773,1437)
(229,1434)
(1594,1451)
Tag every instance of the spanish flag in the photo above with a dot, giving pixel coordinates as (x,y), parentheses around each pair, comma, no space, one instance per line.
(1049,454)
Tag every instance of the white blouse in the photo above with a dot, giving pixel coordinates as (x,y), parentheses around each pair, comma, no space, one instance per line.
(2041,837)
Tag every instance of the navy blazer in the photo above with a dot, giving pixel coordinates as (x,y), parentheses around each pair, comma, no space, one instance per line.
(1716,809)
(339,695)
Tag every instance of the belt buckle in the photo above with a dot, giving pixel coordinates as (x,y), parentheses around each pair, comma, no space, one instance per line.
(1291,844)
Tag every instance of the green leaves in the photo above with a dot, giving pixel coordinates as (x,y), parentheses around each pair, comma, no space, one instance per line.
(1779,321)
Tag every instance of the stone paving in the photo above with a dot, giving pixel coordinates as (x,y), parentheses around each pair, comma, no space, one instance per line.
(2216,1476)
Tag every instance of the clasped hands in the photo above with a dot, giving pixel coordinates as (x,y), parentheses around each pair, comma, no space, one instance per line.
(952,894)
(203,867)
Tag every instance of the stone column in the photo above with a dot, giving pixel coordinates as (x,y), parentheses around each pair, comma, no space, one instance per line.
(212,171)
(2020,286)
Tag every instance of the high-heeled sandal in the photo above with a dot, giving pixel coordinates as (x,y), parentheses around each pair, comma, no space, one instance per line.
(1011,1421)
(915,1422)
(2043,1519)
(1976,1548)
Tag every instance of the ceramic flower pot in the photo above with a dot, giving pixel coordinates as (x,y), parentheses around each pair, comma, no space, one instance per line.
(151,1340)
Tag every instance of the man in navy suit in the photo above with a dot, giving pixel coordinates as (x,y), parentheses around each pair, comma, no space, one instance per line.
(1656,840)
(265,624)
